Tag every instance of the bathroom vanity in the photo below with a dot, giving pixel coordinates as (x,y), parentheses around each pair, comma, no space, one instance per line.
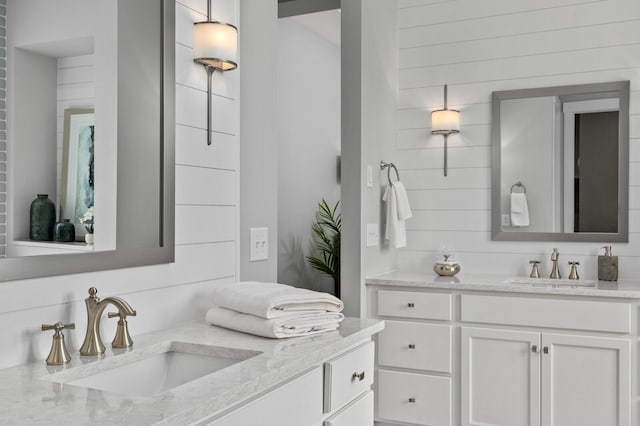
(486,350)
(317,380)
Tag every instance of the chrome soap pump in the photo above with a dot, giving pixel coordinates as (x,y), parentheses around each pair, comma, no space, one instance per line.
(607,266)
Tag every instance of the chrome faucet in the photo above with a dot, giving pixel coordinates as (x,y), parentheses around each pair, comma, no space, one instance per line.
(555,271)
(92,344)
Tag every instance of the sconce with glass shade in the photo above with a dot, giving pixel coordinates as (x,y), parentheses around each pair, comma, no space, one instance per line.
(215,46)
(445,122)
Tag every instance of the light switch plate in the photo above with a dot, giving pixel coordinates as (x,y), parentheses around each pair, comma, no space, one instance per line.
(259,244)
(369,176)
(373,236)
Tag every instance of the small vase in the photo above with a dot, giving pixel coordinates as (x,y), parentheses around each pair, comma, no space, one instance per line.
(64,231)
(42,218)
(88,238)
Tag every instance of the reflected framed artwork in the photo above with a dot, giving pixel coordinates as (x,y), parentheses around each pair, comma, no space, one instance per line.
(77,180)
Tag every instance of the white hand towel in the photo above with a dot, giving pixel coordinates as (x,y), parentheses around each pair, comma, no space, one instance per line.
(519,209)
(404,209)
(395,231)
(272,300)
(293,325)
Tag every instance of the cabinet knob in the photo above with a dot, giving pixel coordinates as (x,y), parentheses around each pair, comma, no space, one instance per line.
(356,375)
(534,349)
(412,400)
(411,305)
(412,346)
(545,349)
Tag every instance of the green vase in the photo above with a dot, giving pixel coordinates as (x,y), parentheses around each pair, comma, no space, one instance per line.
(64,231)
(42,218)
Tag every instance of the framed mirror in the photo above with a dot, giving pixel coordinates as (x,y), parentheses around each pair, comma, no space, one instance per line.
(116,75)
(560,163)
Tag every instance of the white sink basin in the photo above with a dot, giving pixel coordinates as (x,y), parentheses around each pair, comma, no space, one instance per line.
(562,282)
(160,370)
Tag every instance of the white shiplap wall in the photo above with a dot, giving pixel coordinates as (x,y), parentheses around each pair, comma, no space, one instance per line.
(477,48)
(206,223)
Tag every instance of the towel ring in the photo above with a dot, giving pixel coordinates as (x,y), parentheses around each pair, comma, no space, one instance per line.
(519,185)
(389,166)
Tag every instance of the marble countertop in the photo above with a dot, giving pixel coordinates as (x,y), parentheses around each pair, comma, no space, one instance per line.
(626,289)
(28,396)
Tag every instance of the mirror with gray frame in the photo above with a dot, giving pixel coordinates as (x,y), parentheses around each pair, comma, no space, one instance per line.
(560,163)
(116,76)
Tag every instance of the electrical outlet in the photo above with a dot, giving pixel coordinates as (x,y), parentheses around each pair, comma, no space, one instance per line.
(373,236)
(259,244)
(506,220)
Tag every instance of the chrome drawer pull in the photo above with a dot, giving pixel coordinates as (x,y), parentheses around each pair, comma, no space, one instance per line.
(411,305)
(412,346)
(359,376)
(412,400)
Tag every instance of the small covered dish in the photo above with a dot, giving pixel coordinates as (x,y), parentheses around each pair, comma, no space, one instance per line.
(447,267)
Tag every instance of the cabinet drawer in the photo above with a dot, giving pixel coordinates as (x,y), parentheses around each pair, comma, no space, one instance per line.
(359,413)
(411,304)
(554,313)
(348,376)
(414,398)
(415,345)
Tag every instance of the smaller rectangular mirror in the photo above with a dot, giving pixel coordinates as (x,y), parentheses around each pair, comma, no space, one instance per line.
(560,163)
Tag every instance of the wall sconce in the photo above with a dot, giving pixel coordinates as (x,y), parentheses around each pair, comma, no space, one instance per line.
(445,122)
(215,46)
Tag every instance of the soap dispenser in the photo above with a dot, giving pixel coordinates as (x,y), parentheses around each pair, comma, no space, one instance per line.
(607,266)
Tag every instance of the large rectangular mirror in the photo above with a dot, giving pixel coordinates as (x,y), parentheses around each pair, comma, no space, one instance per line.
(90,122)
(560,163)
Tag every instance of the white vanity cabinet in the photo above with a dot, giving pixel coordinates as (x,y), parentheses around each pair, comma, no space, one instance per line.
(505,359)
(336,393)
(521,378)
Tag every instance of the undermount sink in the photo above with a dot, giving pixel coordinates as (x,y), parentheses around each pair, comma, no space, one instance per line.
(158,371)
(560,282)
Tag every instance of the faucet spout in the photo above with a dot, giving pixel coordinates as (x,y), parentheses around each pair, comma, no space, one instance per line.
(92,344)
(555,271)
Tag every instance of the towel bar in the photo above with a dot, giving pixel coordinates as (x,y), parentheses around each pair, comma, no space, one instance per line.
(389,166)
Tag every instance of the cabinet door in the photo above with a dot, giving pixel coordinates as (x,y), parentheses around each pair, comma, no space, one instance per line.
(500,377)
(585,381)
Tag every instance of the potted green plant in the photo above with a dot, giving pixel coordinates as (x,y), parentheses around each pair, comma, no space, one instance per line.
(326,237)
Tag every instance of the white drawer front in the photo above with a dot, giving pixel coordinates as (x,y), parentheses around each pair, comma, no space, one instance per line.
(348,376)
(360,413)
(414,398)
(283,406)
(411,304)
(415,345)
(555,313)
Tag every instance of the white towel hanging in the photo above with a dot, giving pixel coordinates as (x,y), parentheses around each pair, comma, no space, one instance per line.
(519,209)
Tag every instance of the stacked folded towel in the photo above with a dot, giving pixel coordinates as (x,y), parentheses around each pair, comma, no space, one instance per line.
(274,310)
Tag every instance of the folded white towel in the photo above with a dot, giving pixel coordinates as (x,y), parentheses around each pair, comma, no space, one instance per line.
(519,209)
(397,207)
(292,325)
(272,300)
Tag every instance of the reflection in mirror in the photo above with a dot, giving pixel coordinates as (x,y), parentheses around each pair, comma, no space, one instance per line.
(560,163)
(90,104)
